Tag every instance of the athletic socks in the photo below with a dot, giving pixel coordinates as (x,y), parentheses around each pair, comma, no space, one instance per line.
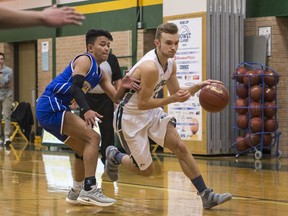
(88,182)
(77,185)
(118,157)
(199,184)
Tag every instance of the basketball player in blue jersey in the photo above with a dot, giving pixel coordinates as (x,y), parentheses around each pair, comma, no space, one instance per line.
(139,116)
(54,115)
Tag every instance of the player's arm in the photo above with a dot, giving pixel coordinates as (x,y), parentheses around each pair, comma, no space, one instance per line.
(51,17)
(106,85)
(149,76)
(81,66)
(173,84)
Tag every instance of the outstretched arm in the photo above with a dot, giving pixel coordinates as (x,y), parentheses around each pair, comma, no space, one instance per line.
(50,17)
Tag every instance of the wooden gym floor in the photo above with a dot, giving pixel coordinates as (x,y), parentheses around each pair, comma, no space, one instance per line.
(35,182)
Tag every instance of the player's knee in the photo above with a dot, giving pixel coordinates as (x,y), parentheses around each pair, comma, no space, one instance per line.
(180,148)
(92,138)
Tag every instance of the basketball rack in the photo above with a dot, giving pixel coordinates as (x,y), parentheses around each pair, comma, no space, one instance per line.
(248,137)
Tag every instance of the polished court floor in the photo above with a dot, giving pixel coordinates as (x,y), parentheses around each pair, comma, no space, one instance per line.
(36,181)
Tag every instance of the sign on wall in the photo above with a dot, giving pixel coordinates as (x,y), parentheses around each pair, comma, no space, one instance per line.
(189,71)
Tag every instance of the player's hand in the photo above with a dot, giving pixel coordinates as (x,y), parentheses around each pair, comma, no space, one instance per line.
(131,83)
(90,117)
(181,95)
(56,17)
(208,82)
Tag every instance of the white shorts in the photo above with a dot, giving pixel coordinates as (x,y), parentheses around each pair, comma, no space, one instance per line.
(133,131)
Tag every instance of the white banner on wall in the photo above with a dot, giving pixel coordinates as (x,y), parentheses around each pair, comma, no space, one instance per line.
(189,71)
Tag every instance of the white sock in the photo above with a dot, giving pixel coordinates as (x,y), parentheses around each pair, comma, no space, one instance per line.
(78,185)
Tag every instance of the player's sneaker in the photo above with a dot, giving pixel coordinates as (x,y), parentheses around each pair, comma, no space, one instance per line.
(111,167)
(211,199)
(72,196)
(95,197)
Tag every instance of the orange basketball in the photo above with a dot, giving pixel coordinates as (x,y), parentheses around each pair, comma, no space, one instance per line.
(267,139)
(271,78)
(241,106)
(255,109)
(214,97)
(242,121)
(252,77)
(195,126)
(256,124)
(241,144)
(270,125)
(239,74)
(269,94)
(242,91)
(269,109)
(256,93)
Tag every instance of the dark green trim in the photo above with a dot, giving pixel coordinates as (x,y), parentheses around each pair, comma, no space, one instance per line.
(54,57)
(264,8)
(152,16)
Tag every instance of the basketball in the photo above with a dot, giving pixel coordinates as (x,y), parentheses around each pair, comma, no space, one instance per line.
(252,139)
(256,93)
(241,144)
(195,126)
(267,139)
(242,121)
(270,125)
(213,97)
(256,124)
(269,109)
(270,78)
(252,77)
(269,94)
(242,91)
(255,109)
(241,106)
(239,74)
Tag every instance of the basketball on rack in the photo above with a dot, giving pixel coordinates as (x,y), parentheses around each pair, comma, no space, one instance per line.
(256,93)
(252,139)
(269,109)
(270,125)
(239,74)
(271,78)
(252,77)
(241,106)
(242,91)
(242,121)
(269,94)
(255,109)
(256,124)
(214,97)
(267,139)
(241,144)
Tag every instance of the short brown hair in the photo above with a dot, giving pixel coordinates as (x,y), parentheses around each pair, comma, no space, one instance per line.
(170,28)
(1,53)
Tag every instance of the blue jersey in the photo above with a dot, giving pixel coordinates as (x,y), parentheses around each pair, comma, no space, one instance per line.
(55,100)
(60,86)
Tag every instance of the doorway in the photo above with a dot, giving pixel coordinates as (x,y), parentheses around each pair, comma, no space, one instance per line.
(25,74)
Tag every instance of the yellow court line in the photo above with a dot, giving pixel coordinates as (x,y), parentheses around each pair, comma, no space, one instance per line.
(114,5)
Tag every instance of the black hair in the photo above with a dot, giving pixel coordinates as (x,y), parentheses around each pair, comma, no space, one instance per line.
(92,34)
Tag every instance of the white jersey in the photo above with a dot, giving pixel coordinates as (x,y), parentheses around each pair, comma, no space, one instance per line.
(134,126)
(106,68)
(130,100)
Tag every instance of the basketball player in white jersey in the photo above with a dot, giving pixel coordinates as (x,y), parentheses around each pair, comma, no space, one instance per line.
(139,116)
